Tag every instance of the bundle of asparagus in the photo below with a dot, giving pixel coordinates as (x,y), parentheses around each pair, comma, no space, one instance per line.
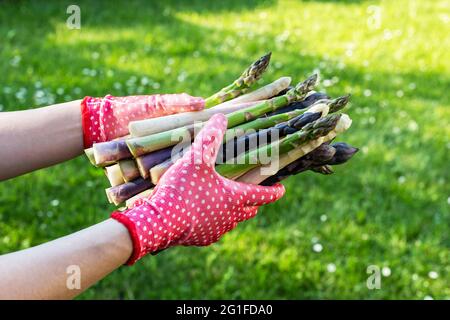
(296,124)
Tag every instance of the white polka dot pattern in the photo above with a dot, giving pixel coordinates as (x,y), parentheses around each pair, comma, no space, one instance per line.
(192,204)
(107,118)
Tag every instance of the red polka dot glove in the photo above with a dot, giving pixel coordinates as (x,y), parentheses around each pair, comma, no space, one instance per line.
(192,204)
(107,118)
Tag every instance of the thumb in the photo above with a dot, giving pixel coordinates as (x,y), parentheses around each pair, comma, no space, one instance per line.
(245,194)
(207,143)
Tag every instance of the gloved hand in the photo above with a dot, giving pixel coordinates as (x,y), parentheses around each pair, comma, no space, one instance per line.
(192,204)
(107,118)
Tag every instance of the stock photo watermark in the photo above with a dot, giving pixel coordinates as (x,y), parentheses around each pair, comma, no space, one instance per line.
(73,281)
(73,22)
(375,276)
(374,17)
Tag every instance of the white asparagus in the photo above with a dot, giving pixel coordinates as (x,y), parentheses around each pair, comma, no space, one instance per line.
(161,124)
(256,175)
(319,107)
(114,175)
(266,92)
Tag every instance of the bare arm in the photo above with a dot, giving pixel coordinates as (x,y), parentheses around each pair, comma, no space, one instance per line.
(38,138)
(42,272)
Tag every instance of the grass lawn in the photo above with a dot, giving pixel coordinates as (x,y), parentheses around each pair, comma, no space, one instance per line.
(389,207)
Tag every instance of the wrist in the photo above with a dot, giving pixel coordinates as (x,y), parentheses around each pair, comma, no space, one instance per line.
(98,118)
(152,225)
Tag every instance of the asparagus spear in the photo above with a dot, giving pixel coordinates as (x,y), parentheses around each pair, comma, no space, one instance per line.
(120,193)
(318,157)
(295,94)
(128,169)
(260,123)
(157,171)
(107,152)
(249,160)
(241,84)
(268,91)
(282,92)
(148,161)
(114,175)
(310,99)
(143,145)
(161,124)
(343,153)
(318,160)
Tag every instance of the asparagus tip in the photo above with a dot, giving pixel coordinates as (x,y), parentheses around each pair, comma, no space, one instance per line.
(301,89)
(265,59)
(343,153)
(339,103)
(307,85)
(256,69)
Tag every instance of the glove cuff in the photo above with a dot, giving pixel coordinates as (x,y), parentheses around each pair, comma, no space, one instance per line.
(90,121)
(151,227)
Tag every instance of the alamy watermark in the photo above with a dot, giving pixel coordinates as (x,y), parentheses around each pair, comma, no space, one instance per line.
(374,280)
(74,19)
(73,281)
(374,17)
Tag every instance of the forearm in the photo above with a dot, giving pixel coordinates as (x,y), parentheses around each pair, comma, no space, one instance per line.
(38,138)
(42,272)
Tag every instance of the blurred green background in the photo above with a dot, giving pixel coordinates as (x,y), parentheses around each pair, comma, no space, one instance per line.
(388,207)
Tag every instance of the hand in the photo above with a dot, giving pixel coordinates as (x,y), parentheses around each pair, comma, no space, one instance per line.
(107,118)
(192,204)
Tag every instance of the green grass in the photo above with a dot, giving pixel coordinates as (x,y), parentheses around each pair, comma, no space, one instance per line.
(388,207)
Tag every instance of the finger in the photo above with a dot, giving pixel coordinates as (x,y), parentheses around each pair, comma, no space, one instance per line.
(175,103)
(208,141)
(253,195)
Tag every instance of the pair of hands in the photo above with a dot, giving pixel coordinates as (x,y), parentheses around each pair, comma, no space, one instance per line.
(192,204)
